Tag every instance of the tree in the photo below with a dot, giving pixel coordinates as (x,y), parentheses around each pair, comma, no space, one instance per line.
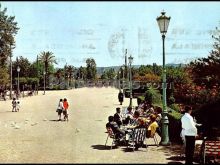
(207,70)
(48,59)
(91,69)
(24,64)
(59,74)
(8,29)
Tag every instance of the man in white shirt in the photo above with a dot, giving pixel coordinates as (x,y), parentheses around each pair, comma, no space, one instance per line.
(190,132)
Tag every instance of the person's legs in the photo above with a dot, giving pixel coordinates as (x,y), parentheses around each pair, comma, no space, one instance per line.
(64,114)
(189,151)
(59,114)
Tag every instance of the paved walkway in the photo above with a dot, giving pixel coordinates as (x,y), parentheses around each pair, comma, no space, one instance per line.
(34,135)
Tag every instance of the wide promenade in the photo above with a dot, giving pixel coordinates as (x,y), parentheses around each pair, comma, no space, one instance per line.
(34,135)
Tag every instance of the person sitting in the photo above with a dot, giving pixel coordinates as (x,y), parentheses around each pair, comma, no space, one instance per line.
(158,111)
(150,109)
(119,133)
(118,117)
(141,124)
(152,126)
(128,116)
(134,121)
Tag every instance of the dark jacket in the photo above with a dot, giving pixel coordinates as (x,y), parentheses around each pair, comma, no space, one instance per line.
(120,97)
(117,119)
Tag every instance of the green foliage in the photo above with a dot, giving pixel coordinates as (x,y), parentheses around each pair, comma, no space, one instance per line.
(153,96)
(4,76)
(206,70)
(174,126)
(171,100)
(24,65)
(108,74)
(140,99)
(8,31)
(175,107)
(48,60)
(91,69)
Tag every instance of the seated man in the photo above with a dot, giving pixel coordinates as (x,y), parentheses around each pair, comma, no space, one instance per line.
(152,126)
(129,115)
(118,117)
(119,133)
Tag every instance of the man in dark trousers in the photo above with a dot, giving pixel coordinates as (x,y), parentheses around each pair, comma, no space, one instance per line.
(120,97)
(190,133)
(119,133)
(118,117)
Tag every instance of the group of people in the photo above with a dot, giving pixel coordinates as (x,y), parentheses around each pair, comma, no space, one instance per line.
(141,117)
(62,108)
(15,105)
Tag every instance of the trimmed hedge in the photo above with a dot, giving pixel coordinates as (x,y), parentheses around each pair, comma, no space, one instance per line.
(175,127)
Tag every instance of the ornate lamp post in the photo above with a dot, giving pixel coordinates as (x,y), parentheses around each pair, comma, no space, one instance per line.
(123,75)
(18,90)
(119,83)
(44,81)
(163,22)
(130,61)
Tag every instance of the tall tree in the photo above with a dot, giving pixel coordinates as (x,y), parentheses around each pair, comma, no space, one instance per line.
(91,69)
(207,70)
(8,30)
(48,59)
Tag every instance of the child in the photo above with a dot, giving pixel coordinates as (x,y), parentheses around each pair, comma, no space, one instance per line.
(18,105)
(14,105)
(65,106)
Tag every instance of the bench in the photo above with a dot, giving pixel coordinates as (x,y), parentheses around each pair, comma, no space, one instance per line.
(211,150)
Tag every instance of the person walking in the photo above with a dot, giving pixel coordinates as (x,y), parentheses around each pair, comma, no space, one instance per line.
(189,130)
(60,109)
(120,97)
(65,108)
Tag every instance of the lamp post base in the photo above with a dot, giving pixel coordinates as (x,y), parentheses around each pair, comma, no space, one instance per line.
(130,105)
(165,143)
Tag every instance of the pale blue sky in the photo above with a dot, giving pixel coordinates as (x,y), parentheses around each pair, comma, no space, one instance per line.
(74,31)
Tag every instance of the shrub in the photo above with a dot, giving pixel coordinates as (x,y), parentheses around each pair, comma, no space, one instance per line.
(175,126)
(171,100)
(153,95)
(140,99)
(175,107)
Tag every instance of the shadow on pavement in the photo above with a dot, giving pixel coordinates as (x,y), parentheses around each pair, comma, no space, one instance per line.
(102,147)
(5,111)
(176,158)
(175,163)
(58,120)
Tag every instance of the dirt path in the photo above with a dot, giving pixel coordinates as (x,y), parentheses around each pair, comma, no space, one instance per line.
(34,136)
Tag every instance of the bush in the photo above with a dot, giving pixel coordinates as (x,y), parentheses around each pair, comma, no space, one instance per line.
(175,126)
(153,96)
(140,99)
(175,107)
(171,100)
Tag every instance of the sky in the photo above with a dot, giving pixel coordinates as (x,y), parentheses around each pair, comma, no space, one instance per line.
(77,30)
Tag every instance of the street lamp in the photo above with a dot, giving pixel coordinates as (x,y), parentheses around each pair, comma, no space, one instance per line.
(123,67)
(18,70)
(130,59)
(44,82)
(119,83)
(10,73)
(68,82)
(163,22)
